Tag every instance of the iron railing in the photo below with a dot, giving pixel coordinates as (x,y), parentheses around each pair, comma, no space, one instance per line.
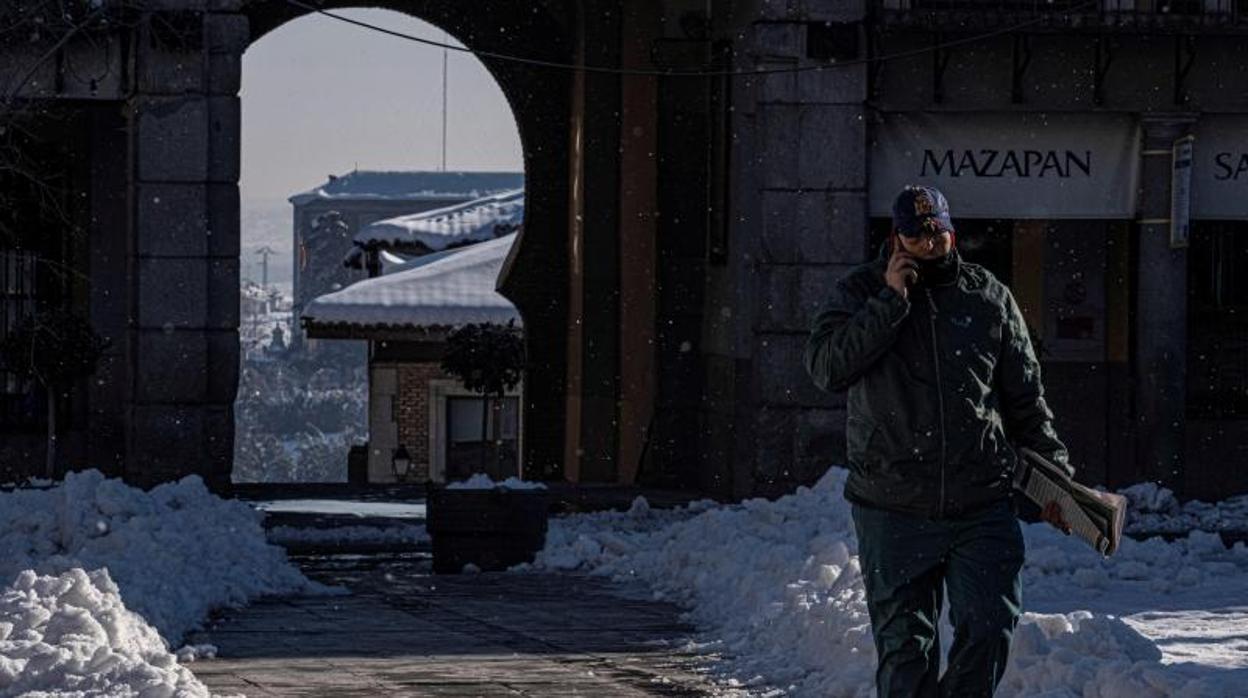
(1088,12)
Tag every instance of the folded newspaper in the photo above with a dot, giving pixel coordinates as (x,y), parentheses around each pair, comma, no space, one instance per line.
(1096,517)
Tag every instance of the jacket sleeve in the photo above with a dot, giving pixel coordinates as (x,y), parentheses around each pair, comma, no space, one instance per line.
(1026,416)
(851,332)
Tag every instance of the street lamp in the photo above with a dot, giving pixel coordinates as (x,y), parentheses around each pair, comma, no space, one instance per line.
(401,463)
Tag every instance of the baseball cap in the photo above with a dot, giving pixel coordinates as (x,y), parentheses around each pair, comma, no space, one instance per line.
(920,207)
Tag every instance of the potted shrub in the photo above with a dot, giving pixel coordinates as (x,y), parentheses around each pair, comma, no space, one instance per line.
(492,525)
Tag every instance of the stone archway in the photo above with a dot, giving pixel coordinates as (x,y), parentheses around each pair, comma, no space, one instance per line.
(186,137)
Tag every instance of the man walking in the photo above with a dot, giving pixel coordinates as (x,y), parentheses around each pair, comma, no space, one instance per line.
(943,384)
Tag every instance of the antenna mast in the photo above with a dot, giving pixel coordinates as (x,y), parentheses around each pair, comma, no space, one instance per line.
(264,253)
(445,39)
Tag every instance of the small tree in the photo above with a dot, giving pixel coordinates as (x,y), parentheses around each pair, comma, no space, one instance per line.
(487,358)
(56,347)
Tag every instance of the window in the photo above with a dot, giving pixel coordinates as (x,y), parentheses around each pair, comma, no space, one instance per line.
(44,213)
(22,405)
(1217,351)
(465,450)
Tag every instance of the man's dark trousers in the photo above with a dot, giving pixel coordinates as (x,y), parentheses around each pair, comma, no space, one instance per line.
(905,559)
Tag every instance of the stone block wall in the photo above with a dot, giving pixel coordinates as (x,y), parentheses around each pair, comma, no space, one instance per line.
(184,251)
(802,223)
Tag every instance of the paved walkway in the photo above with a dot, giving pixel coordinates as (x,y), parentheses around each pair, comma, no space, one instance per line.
(407,632)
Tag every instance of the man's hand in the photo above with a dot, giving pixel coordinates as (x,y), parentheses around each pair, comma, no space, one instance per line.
(902,271)
(1053,514)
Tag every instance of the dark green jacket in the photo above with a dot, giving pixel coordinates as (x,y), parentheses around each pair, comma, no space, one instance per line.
(942,388)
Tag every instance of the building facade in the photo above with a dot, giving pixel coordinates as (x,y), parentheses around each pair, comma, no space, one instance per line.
(1090,162)
(681,232)
(327,218)
(414,407)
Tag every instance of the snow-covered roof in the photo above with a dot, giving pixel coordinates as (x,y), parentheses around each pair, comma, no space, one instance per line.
(444,289)
(440,228)
(417,186)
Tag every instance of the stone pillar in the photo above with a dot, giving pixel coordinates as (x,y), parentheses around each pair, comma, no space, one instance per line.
(1161,311)
(638,188)
(110,295)
(226,37)
(802,187)
(575,329)
(184,259)
(594,380)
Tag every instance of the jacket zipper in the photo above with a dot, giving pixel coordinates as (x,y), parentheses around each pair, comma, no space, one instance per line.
(940,403)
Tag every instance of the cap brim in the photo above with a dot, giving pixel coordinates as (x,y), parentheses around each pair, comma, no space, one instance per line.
(943,223)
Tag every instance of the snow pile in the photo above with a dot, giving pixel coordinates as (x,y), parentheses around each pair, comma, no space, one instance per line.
(1155,509)
(1056,564)
(776,586)
(191,653)
(100,576)
(343,535)
(70,634)
(481,481)
(175,552)
(1092,655)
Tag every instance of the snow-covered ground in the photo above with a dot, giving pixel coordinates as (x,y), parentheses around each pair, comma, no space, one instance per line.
(1155,509)
(776,590)
(481,481)
(98,580)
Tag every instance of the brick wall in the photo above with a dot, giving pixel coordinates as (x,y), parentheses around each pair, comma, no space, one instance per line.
(412,413)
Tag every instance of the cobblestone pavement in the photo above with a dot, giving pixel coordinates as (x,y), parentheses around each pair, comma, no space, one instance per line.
(406,632)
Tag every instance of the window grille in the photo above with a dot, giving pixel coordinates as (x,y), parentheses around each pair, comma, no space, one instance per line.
(21,401)
(1214,10)
(1217,376)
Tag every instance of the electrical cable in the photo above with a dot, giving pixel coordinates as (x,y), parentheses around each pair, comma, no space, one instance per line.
(689,73)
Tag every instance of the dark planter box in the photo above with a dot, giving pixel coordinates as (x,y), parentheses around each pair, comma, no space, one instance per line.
(357,464)
(493,529)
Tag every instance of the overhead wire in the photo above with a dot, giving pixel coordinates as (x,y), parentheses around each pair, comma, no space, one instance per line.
(654,72)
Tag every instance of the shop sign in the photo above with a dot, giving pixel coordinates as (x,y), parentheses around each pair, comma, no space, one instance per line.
(1023,165)
(1180,191)
(1220,168)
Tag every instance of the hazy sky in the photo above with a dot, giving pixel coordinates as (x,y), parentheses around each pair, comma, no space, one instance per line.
(320,96)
